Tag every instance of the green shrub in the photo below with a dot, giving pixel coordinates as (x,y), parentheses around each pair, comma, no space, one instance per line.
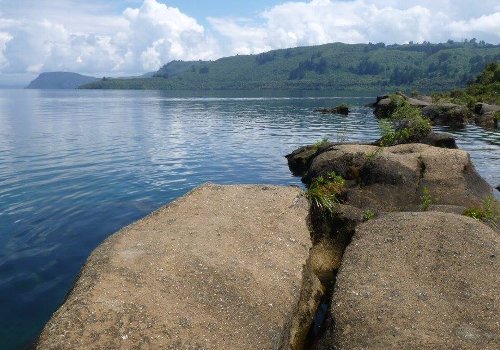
(396,102)
(486,88)
(463,98)
(388,132)
(405,124)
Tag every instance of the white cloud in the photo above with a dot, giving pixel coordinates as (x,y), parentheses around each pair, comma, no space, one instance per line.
(94,37)
(245,38)
(4,39)
(145,38)
(158,33)
(486,27)
(323,21)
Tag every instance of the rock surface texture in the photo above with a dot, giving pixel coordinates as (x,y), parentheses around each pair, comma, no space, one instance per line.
(394,178)
(220,268)
(407,270)
(417,281)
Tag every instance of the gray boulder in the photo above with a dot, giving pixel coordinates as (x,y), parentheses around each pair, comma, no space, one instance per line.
(382,107)
(436,139)
(300,159)
(417,102)
(448,114)
(484,108)
(219,268)
(486,115)
(440,139)
(394,178)
(417,281)
(487,120)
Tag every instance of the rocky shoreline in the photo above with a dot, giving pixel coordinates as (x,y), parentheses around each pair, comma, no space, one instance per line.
(388,248)
(219,268)
(442,113)
(413,270)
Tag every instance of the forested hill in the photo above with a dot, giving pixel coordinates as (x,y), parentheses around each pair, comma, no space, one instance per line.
(335,66)
(60,80)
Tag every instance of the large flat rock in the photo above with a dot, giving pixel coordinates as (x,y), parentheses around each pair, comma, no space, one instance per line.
(418,281)
(217,269)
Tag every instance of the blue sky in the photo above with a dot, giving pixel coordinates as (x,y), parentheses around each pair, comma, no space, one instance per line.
(124,37)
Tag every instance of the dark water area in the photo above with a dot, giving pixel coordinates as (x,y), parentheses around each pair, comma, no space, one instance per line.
(76,166)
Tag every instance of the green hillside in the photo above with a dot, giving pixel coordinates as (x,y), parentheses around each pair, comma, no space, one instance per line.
(485,88)
(60,80)
(335,66)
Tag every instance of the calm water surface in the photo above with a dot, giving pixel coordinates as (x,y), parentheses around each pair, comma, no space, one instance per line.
(75,166)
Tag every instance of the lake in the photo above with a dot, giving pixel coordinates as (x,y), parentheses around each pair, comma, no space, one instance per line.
(76,166)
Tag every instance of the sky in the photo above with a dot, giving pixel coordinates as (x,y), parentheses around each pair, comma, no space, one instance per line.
(128,37)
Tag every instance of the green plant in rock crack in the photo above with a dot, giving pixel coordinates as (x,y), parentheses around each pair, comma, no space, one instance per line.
(368,214)
(321,142)
(324,191)
(425,199)
(370,157)
(489,211)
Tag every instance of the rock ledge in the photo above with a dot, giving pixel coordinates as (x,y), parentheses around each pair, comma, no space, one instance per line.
(220,268)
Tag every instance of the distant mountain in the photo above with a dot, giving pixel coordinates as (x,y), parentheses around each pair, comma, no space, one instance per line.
(60,80)
(334,66)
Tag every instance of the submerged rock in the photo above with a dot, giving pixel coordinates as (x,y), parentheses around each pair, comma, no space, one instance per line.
(417,280)
(342,109)
(217,269)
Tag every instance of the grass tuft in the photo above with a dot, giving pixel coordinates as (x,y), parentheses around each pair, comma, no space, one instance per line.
(425,199)
(488,212)
(324,191)
(368,214)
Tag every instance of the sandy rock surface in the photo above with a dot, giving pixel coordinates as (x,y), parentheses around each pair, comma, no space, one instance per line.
(217,269)
(418,281)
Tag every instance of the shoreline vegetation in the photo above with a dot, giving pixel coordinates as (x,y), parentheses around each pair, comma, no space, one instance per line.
(337,66)
(478,102)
